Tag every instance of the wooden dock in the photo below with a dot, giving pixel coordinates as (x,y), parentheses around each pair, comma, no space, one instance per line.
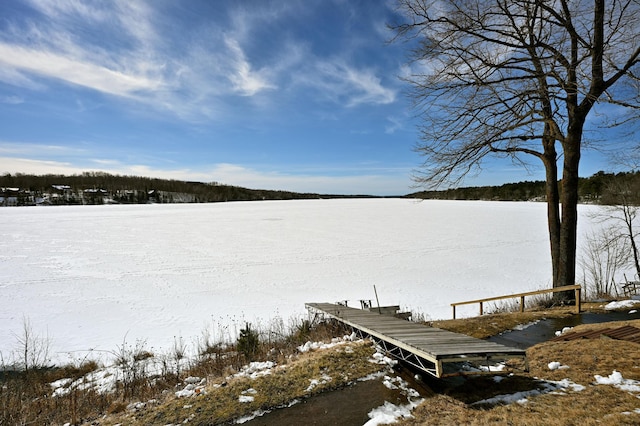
(435,351)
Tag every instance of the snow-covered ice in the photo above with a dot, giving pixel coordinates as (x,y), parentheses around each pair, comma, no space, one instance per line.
(94,277)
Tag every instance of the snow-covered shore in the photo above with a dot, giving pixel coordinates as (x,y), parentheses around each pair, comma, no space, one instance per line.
(92,277)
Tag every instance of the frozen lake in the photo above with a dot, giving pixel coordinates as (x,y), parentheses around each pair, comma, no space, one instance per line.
(91,276)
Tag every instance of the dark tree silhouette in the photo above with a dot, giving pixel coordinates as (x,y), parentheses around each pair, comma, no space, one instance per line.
(519,79)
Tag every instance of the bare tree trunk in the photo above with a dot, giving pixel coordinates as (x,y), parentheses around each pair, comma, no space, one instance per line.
(569,218)
(553,206)
(629,214)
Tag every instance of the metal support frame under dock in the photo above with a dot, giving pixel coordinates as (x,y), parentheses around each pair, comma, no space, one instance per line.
(435,351)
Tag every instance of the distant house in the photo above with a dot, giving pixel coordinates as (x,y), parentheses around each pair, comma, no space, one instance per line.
(61,194)
(94,196)
(9,197)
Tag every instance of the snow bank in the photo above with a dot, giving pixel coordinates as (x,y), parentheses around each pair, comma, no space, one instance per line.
(622,304)
(102,380)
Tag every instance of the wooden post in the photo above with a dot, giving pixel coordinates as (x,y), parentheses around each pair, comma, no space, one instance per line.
(521,303)
(480,308)
(454,311)
(578,301)
(377,300)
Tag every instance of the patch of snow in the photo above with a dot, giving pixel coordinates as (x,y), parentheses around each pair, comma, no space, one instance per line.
(565,384)
(314,346)
(251,416)
(564,330)
(548,386)
(389,382)
(245,398)
(260,413)
(194,386)
(317,382)
(256,369)
(633,311)
(496,367)
(136,406)
(622,304)
(194,380)
(619,382)
(372,376)
(555,365)
(521,327)
(102,380)
(380,358)
(390,413)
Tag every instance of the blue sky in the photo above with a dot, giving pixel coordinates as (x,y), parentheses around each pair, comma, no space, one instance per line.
(293,95)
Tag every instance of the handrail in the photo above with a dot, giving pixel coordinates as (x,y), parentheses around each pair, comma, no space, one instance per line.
(577,289)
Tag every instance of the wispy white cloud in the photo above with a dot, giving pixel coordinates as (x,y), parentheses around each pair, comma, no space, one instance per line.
(345,84)
(37,167)
(245,81)
(29,149)
(394,124)
(93,76)
(367,88)
(193,77)
(58,9)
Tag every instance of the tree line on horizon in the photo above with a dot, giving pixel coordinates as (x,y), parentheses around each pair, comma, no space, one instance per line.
(598,188)
(95,187)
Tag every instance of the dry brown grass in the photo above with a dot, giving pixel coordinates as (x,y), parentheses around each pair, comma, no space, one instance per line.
(26,397)
(219,405)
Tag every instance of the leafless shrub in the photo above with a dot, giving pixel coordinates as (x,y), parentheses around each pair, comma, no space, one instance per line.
(26,397)
(32,349)
(602,257)
(132,363)
(178,354)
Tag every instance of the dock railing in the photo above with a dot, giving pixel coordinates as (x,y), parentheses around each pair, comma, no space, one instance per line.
(576,288)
